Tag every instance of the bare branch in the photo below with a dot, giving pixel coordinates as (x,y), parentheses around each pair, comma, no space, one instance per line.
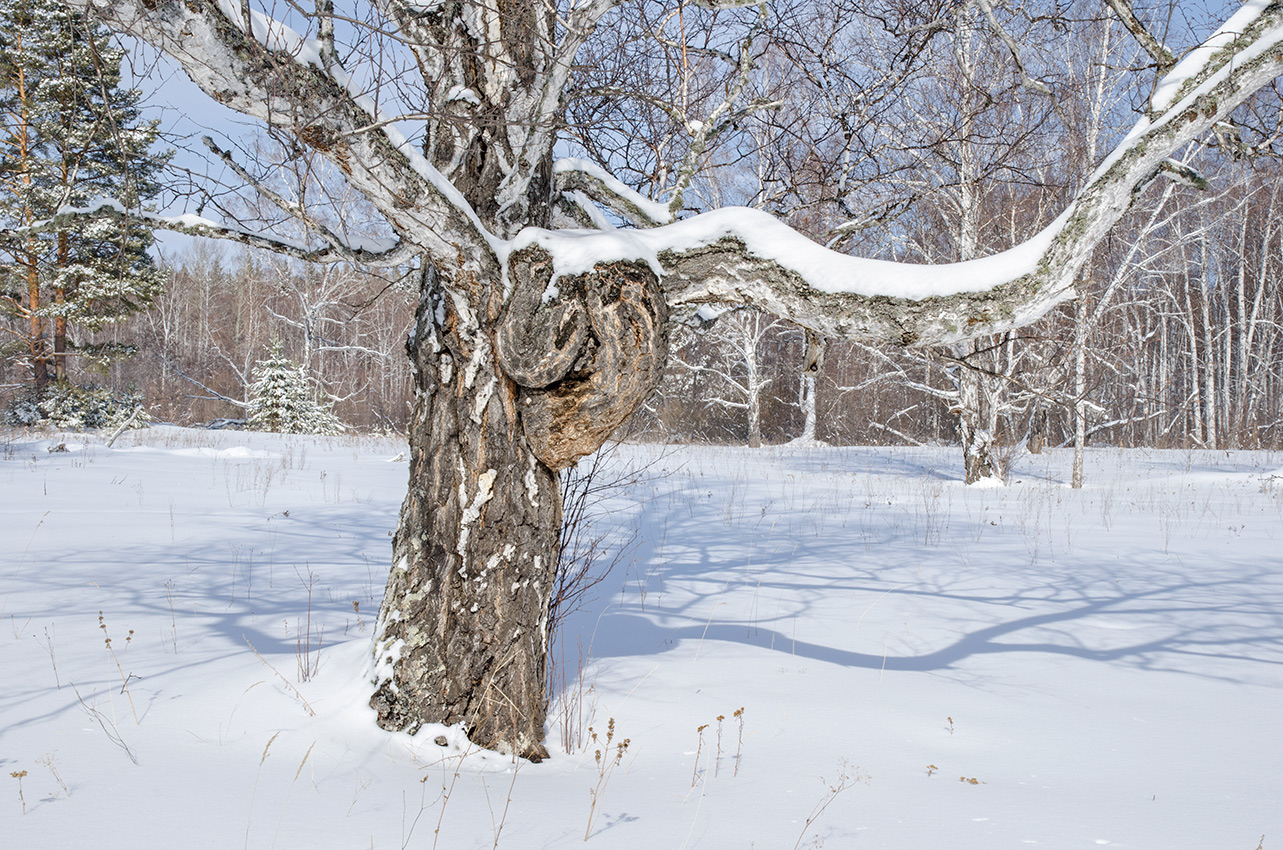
(1151,45)
(703,132)
(1026,80)
(576,175)
(396,254)
(193,225)
(267,71)
(214,395)
(865,301)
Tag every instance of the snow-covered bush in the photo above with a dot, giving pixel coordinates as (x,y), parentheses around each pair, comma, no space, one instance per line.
(69,407)
(284,398)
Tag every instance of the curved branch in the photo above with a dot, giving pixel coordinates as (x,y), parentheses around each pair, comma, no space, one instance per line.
(267,71)
(738,255)
(578,175)
(375,255)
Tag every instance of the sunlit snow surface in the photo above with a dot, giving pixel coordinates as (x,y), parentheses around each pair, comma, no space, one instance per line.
(1107,664)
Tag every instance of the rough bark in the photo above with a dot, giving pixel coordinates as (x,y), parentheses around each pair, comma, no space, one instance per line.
(461,636)
(462,632)
(976,426)
(587,350)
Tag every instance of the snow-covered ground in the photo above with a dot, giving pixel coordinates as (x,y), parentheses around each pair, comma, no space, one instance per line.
(919,664)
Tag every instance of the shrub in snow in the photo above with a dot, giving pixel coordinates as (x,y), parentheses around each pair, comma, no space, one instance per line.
(69,407)
(284,398)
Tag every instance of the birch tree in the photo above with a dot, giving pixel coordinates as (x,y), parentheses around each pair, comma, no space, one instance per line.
(532,343)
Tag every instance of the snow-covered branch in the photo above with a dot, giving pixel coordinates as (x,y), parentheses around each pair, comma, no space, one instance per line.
(267,71)
(602,187)
(728,256)
(739,255)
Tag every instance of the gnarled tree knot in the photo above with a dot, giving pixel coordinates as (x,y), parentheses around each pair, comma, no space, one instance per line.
(584,353)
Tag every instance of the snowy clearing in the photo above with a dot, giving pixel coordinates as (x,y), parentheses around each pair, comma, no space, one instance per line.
(1001,667)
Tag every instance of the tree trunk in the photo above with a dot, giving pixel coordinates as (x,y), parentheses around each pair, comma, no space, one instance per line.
(977,440)
(503,399)
(806,400)
(812,361)
(1080,393)
(462,632)
(1037,430)
(36,342)
(977,417)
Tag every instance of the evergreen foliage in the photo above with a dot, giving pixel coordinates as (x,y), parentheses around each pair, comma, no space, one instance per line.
(284,398)
(68,407)
(72,134)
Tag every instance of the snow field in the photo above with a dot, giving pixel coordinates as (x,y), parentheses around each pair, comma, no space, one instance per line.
(1106,664)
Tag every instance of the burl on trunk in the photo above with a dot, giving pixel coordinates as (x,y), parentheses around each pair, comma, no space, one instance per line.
(509,391)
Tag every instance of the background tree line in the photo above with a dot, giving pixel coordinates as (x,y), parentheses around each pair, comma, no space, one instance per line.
(1186,351)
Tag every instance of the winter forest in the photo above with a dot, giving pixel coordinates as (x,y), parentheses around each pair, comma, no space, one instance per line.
(599,420)
(1171,343)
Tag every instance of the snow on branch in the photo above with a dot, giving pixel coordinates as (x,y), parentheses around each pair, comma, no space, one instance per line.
(602,187)
(740,255)
(264,69)
(1250,30)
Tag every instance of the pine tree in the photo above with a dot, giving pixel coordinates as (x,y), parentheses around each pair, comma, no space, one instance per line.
(71,134)
(283,397)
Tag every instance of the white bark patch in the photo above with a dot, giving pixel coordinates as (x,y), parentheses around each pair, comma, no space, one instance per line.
(480,354)
(468,325)
(492,563)
(532,483)
(485,490)
(483,398)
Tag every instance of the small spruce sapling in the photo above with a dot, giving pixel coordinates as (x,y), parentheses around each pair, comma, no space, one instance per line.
(284,398)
